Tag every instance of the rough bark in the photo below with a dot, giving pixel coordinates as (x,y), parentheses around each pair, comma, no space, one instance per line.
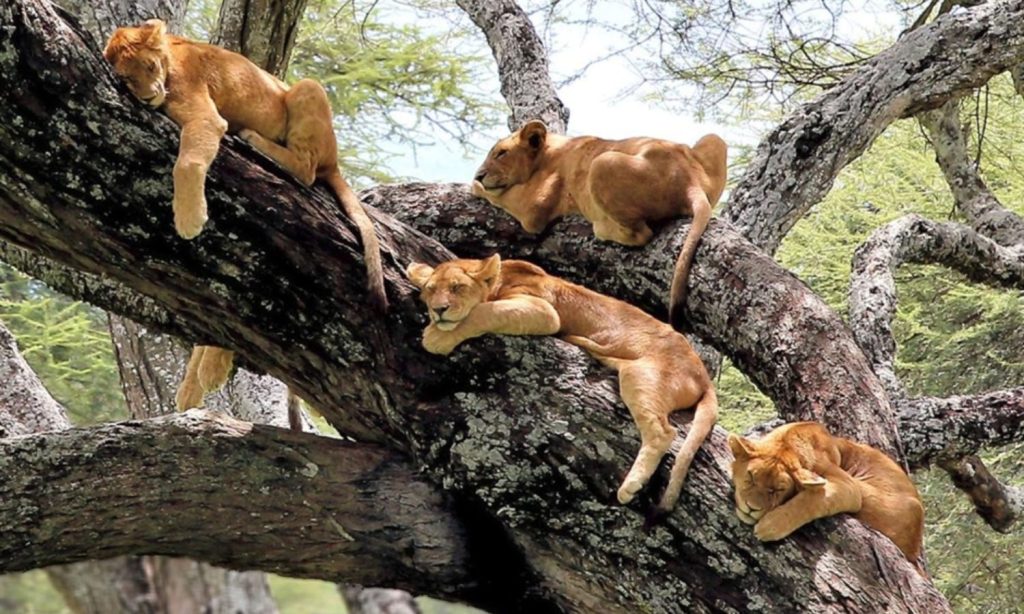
(528,431)
(522,63)
(1000,505)
(972,196)
(25,405)
(797,350)
(359,600)
(795,164)
(358,511)
(101,17)
(954,427)
(914,239)
(261,30)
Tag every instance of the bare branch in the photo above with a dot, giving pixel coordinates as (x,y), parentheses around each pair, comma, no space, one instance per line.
(972,196)
(357,510)
(1000,505)
(913,239)
(522,63)
(954,427)
(796,163)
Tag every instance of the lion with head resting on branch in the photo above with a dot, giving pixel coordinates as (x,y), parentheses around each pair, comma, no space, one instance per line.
(210,91)
(619,186)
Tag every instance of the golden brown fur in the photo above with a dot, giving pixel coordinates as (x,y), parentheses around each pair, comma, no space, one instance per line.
(210,91)
(620,186)
(658,370)
(799,472)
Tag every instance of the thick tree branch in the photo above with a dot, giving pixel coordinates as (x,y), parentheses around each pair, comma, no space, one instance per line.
(795,165)
(954,427)
(529,432)
(261,30)
(914,239)
(972,196)
(522,63)
(360,514)
(1000,505)
(796,349)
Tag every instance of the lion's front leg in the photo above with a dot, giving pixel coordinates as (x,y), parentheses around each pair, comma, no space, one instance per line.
(202,128)
(839,494)
(520,315)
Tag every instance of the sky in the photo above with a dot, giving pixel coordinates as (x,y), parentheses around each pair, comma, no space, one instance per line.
(603,102)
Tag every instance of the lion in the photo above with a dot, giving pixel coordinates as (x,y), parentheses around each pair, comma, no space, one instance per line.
(619,186)
(658,370)
(210,91)
(800,472)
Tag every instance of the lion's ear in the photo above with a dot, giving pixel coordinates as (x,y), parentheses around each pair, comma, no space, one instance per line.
(489,271)
(153,31)
(534,132)
(742,448)
(808,479)
(418,273)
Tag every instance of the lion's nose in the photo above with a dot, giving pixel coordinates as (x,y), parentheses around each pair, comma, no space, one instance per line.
(480,175)
(440,309)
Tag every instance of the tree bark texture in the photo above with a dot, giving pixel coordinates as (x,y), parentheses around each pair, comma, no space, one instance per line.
(1000,505)
(101,17)
(522,63)
(529,433)
(795,164)
(261,30)
(972,196)
(914,239)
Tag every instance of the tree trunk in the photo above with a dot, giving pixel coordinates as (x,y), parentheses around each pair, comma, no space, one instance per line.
(796,163)
(261,30)
(522,63)
(540,468)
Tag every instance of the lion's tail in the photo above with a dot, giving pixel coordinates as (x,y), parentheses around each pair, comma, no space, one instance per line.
(704,419)
(701,216)
(294,411)
(371,246)
(712,153)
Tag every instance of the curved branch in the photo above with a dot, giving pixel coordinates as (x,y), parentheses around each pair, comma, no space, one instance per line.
(954,427)
(797,350)
(999,505)
(972,196)
(522,63)
(530,432)
(360,513)
(795,165)
(914,239)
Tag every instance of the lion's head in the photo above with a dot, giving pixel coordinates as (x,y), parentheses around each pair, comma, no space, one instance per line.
(511,161)
(766,475)
(140,56)
(454,288)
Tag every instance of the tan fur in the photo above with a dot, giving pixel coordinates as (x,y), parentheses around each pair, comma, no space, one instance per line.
(658,370)
(799,472)
(210,91)
(620,186)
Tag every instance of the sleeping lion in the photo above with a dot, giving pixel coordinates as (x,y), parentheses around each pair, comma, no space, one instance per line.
(658,370)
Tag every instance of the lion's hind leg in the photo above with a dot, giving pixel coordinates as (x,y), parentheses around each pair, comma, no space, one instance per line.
(190,392)
(640,385)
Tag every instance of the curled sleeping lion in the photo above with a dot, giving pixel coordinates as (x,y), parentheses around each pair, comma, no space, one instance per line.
(620,186)
(800,472)
(658,370)
(210,91)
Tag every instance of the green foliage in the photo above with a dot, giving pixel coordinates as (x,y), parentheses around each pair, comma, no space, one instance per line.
(67,344)
(392,83)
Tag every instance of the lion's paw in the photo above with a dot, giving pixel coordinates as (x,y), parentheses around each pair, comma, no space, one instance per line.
(248,135)
(772,527)
(189,225)
(629,489)
(437,341)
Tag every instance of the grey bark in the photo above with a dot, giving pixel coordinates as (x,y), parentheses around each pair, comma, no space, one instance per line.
(971,195)
(914,239)
(101,17)
(522,63)
(261,30)
(310,506)
(796,163)
(528,432)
